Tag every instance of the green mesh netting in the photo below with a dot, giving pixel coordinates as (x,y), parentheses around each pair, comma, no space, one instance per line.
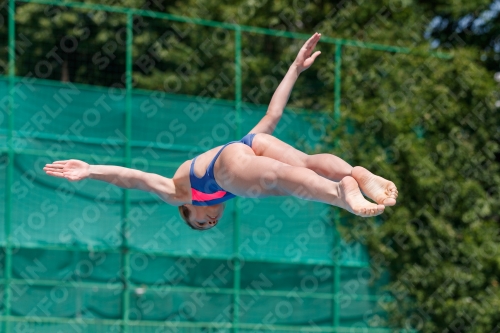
(68,240)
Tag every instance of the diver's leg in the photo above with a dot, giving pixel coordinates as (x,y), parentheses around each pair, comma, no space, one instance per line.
(326,165)
(329,166)
(239,171)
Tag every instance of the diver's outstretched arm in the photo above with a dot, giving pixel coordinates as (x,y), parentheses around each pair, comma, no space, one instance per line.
(75,170)
(280,97)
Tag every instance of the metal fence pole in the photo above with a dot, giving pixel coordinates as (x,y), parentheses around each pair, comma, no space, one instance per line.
(337,238)
(337,92)
(236,235)
(128,163)
(10,166)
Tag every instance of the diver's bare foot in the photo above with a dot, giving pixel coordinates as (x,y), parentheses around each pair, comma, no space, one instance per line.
(380,190)
(353,200)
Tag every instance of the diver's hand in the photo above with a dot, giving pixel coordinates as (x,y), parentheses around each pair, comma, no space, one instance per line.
(72,170)
(304,59)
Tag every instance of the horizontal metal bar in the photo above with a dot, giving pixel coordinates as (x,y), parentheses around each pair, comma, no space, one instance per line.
(134,11)
(144,92)
(68,284)
(112,322)
(99,141)
(136,91)
(183,254)
(86,157)
(66,155)
(220,325)
(339,41)
(131,288)
(393,49)
(230,26)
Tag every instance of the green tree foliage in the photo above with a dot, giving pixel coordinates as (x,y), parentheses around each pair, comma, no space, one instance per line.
(428,124)
(61,43)
(3,39)
(478,26)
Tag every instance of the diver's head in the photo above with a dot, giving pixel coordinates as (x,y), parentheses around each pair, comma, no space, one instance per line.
(201,217)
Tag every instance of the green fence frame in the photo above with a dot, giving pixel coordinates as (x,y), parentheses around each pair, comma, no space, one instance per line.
(126,285)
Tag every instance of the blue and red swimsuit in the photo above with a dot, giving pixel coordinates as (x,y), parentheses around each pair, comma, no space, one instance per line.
(205,191)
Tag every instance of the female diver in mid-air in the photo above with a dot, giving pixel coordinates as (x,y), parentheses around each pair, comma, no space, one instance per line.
(258,165)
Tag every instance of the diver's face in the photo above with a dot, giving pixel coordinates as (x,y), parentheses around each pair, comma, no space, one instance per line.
(205,217)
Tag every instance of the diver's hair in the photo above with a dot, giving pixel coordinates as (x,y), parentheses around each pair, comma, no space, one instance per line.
(184,212)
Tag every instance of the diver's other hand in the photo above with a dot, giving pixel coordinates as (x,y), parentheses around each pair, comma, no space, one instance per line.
(72,170)
(304,59)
